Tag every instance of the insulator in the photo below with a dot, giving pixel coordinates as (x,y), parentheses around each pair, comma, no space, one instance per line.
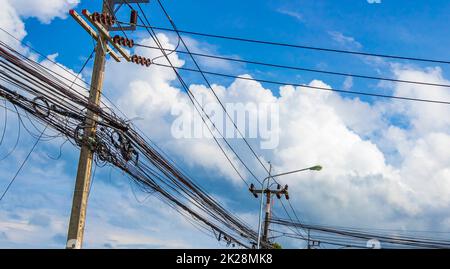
(134,58)
(287,195)
(111,20)
(133,17)
(130,43)
(123,41)
(148,62)
(96,17)
(103,18)
(141,60)
(116,39)
(278,195)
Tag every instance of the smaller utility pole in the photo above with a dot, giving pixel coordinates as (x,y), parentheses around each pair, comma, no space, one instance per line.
(268,192)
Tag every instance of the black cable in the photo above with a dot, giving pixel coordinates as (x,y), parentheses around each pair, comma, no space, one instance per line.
(196,103)
(83,66)
(274,43)
(290,67)
(211,88)
(21,166)
(313,87)
(6,123)
(17,139)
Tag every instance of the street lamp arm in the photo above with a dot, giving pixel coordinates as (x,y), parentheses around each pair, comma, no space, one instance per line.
(314,168)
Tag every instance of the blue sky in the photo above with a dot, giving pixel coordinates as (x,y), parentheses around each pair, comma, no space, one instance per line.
(383,139)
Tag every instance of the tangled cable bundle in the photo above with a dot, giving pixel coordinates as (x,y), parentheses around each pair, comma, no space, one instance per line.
(51,100)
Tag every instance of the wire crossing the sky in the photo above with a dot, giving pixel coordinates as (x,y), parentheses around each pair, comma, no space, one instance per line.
(297,68)
(297,46)
(443,102)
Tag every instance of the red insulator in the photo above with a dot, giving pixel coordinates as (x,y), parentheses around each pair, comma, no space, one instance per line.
(96,17)
(116,39)
(133,17)
(134,58)
(110,20)
(103,18)
(123,41)
(130,43)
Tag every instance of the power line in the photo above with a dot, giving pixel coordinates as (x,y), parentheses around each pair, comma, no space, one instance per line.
(196,105)
(312,87)
(362,235)
(290,67)
(22,165)
(211,88)
(151,171)
(298,46)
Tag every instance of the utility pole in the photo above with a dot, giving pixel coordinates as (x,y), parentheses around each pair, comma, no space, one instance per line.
(268,193)
(267,215)
(83,179)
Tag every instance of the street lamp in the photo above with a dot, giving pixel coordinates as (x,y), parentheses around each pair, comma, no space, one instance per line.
(284,191)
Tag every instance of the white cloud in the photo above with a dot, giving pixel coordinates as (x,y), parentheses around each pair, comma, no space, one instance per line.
(354,140)
(361,184)
(345,41)
(348,83)
(11,22)
(44,10)
(291,13)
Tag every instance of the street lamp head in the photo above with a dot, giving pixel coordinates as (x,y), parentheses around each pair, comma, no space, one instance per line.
(316,168)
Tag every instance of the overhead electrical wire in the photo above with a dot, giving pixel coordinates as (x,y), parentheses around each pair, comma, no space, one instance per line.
(27,85)
(57,74)
(444,102)
(210,87)
(297,46)
(22,165)
(298,68)
(199,107)
(361,234)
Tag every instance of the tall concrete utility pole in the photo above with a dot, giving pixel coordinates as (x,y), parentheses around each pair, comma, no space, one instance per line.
(83,179)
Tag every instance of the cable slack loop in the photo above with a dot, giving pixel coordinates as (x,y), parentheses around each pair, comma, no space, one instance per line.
(41,106)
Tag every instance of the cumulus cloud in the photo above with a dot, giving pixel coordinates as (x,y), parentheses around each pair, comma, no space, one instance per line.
(374,169)
(377,172)
(11,22)
(45,11)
